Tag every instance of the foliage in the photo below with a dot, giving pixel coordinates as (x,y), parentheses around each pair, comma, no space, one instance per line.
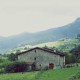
(3,65)
(75,77)
(66,45)
(70,58)
(76,51)
(16,67)
(1,60)
(12,57)
(2,70)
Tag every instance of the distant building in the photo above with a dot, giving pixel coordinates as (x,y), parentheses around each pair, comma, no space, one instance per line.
(38,58)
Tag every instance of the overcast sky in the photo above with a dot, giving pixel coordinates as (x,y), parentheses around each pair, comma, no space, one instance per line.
(17,16)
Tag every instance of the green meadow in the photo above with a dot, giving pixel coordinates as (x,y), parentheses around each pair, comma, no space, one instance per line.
(59,74)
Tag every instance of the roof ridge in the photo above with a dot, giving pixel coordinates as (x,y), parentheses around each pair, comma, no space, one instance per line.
(47,50)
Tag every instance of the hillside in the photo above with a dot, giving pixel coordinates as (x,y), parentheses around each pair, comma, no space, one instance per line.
(62,74)
(54,34)
(63,45)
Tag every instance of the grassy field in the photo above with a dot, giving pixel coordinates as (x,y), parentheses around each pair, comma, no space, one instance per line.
(61,74)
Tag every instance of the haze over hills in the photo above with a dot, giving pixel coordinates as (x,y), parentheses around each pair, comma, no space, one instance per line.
(1,37)
(50,35)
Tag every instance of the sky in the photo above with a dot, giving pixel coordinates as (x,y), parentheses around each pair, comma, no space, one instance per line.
(17,16)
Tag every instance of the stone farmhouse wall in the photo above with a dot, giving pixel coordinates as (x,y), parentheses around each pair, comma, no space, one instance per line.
(43,58)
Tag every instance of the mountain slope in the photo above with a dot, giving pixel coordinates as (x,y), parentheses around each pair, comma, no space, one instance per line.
(54,34)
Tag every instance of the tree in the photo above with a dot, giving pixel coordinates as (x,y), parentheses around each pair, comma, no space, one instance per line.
(70,58)
(73,58)
(12,57)
(76,52)
(67,58)
(45,46)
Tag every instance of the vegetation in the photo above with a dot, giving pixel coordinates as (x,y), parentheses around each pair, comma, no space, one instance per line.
(68,46)
(75,77)
(61,74)
(76,52)
(70,58)
(16,67)
(5,60)
(71,48)
(12,57)
(64,45)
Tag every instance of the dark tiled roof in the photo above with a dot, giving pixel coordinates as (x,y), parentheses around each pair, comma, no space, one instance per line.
(43,49)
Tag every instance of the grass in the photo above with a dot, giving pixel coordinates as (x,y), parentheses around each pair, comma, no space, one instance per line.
(18,76)
(61,74)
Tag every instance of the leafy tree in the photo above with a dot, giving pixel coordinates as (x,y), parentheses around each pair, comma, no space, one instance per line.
(76,52)
(67,59)
(1,60)
(70,58)
(12,57)
(45,46)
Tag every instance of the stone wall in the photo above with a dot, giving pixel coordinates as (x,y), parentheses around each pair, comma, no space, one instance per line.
(43,58)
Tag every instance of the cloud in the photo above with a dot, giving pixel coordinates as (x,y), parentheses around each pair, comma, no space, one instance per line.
(17,16)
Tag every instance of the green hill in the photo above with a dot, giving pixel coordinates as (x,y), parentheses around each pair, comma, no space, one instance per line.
(64,45)
(61,74)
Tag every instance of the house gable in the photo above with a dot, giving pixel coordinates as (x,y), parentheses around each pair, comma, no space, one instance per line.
(43,49)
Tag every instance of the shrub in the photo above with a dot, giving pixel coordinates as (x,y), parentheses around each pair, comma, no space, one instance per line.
(16,67)
(2,70)
(75,77)
(12,57)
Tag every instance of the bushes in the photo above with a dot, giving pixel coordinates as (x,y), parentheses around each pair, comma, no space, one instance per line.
(3,65)
(16,67)
(12,57)
(2,70)
(70,58)
(75,77)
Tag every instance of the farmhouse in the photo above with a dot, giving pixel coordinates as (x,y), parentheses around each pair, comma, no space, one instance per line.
(38,58)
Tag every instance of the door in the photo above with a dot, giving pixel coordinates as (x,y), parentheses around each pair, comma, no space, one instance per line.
(51,65)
